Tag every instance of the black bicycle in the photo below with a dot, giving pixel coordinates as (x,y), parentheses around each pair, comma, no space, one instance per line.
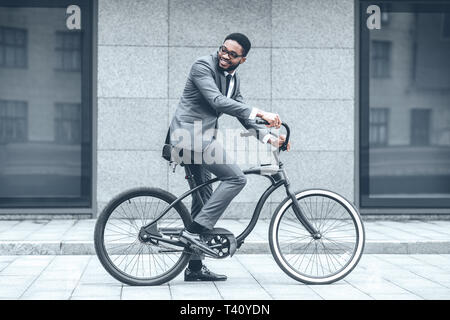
(316,236)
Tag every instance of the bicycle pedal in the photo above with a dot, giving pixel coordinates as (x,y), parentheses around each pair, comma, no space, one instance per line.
(190,238)
(225,237)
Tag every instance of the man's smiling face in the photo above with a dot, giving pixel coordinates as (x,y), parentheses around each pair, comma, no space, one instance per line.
(226,61)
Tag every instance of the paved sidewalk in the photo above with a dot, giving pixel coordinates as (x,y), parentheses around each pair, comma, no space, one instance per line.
(75,237)
(255,276)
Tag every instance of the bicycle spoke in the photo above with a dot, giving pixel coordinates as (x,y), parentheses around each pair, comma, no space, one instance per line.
(126,256)
(331,256)
(334,221)
(326,256)
(323,257)
(128,215)
(126,252)
(120,228)
(323,215)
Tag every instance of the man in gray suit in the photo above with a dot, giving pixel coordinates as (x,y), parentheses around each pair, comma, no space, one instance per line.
(213,88)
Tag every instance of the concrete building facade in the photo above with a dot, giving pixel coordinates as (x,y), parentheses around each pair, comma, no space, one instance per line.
(304,64)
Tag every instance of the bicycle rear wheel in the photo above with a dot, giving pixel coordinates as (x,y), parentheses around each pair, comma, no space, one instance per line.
(123,254)
(317,261)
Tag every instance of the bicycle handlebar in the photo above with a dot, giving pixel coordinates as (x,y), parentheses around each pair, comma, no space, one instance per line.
(288,133)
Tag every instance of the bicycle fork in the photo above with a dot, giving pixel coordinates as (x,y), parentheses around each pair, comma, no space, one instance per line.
(298,211)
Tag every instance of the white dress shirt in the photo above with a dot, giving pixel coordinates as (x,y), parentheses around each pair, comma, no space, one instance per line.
(254,110)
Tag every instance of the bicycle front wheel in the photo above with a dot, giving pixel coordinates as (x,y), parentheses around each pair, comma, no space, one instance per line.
(328,258)
(117,242)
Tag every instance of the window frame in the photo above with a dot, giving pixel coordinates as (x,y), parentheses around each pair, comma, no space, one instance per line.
(381,59)
(413,130)
(62,52)
(89,25)
(404,206)
(24,118)
(378,124)
(61,119)
(24,47)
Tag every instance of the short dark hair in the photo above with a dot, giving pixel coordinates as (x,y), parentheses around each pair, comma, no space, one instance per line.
(242,40)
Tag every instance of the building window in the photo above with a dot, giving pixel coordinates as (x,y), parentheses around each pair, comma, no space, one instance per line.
(404,147)
(13,47)
(68,123)
(420,127)
(378,120)
(46,136)
(381,59)
(68,50)
(13,121)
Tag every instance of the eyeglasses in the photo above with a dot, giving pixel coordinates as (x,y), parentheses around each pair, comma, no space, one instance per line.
(232,54)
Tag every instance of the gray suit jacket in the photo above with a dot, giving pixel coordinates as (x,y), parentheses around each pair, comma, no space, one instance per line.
(204,99)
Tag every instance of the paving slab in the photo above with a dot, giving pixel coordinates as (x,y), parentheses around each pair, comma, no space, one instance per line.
(98,290)
(75,237)
(146,293)
(21,230)
(46,295)
(440,261)
(389,296)
(181,290)
(252,276)
(340,292)
(7,225)
(52,231)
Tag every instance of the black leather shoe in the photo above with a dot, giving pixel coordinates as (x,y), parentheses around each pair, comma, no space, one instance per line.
(204,274)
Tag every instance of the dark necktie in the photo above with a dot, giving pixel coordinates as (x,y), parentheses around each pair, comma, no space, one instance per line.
(229,76)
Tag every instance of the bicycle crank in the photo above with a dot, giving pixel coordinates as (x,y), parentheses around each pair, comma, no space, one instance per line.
(217,243)
(222,241)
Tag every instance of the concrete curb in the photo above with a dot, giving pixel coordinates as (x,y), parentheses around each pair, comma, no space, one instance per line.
(249,247)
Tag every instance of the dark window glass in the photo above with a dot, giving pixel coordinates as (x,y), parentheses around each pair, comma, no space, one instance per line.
(45,114)
(378,127)
(68,123)
(13,121)
(405,107)
(68,50)
(381,59)
(13,47)
(420,127)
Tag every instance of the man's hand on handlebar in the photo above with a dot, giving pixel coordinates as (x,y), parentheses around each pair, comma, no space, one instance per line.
(281,140)
(272,118)
(277,143)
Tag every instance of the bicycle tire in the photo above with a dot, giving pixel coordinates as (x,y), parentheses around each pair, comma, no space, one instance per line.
(102,251)
(282,259)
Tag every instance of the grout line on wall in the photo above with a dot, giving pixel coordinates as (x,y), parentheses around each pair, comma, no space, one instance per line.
(213,47)
(271,55)
(158,150)
(168,83)
(247,98)
(313,99)
(134,98)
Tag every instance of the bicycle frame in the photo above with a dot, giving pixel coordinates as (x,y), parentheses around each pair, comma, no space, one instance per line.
(330,259)
(277,176)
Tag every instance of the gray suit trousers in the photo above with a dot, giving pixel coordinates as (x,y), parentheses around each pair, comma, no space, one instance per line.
(232,181)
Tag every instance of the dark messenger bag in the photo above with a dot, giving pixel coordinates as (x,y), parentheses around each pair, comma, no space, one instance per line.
(167,152)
